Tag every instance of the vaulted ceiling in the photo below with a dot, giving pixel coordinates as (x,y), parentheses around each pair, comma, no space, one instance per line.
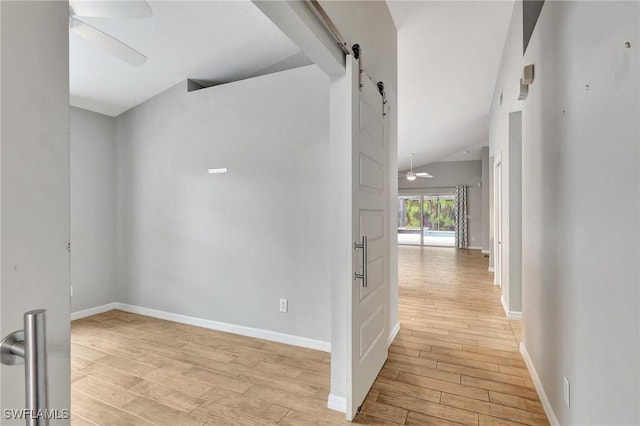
(215,41)
(448,58)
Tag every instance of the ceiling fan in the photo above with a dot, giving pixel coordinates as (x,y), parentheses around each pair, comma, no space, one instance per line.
(411,175)
(108,9)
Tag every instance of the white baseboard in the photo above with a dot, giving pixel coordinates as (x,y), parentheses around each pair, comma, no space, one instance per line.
(510,314)
(93,311)
(474,248)
(393,334)
(337,403)
(485,251)
(546,404)
(258,333)
(491,269)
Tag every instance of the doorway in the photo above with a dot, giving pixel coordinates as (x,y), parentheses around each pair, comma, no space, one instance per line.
(427,220)
(498,223)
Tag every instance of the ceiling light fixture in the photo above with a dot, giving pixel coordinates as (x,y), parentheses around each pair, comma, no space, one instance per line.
(214,171)
(100,39)
(411,176)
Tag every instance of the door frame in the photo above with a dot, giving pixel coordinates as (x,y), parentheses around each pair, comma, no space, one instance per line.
(498,218)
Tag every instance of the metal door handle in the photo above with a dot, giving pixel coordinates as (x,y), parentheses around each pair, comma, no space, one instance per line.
(30,346)
(363,276)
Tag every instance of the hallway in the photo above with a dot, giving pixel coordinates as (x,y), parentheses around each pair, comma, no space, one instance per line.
(456,358)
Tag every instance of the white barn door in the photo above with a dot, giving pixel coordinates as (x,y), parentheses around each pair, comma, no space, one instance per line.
(370,287)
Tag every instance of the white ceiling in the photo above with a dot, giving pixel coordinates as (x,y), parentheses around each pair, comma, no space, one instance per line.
(205,40)
(471,153)
(448,58)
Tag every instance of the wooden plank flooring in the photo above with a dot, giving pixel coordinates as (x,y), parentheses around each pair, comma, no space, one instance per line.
(455,361)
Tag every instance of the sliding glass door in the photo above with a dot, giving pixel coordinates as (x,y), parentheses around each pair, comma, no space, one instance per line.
(409,220)
(427,220)
(439,220)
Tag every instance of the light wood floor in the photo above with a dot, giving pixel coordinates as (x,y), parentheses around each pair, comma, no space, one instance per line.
(454,362)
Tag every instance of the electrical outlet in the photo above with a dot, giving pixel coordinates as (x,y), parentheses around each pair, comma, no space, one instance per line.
(566,390)
(284,305)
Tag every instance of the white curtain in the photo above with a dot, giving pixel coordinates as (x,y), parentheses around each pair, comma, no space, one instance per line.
(462,230)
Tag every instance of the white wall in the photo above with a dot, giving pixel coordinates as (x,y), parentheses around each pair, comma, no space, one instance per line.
(93,198)
(580,165)
(227,247)
(34,172)
(449,174)
(507,85)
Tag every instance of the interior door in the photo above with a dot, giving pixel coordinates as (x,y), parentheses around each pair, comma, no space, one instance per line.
(370,198)
(34,196)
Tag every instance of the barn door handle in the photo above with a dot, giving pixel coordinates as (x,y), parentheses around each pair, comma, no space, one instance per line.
(30,346)
(363,276)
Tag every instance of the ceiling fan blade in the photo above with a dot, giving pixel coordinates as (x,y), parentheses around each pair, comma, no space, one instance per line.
(111,8)
(424,174)
(427,177)
(106,42)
